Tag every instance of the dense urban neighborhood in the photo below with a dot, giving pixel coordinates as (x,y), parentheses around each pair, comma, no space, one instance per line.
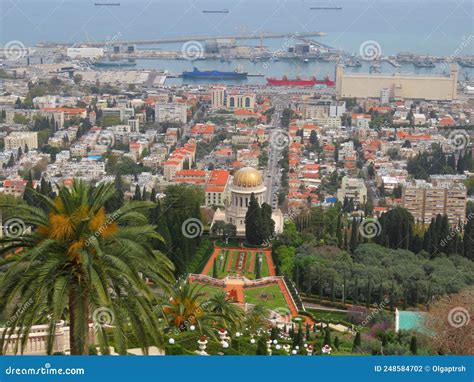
(204,218)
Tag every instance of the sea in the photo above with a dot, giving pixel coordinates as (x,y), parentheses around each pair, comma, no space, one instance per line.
(434,27)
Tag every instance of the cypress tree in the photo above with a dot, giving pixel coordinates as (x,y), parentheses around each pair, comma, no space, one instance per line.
(468,239)
(336,342)
(327,337)
(354,242)
(274,333)
(214,268)
(153,195)
(138,195)
(333,289)
(261,347)
(28,195)
(414,345)
(339,231)
(357,342)
(253,222)
(369,292)
(356,290)
(268,227)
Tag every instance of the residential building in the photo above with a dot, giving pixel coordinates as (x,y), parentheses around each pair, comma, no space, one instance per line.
(352,188)
(21,139)
(427,200)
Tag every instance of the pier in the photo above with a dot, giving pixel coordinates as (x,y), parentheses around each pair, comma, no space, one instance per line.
(250,36)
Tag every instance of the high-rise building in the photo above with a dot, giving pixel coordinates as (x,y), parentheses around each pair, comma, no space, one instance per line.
(218,97)
(427,200)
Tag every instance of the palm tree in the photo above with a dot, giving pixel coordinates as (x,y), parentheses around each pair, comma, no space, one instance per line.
(257,318)
(184,308)
(78,261)
(230,315)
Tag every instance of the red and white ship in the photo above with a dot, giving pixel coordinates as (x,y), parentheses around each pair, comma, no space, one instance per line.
(285,81)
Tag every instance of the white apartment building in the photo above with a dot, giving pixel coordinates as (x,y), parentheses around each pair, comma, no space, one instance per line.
(352,188)
(20,139)
(170,112)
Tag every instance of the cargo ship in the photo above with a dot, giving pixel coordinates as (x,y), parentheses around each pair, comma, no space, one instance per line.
(215,11)
(299,82)
(325,8)
(424,64)
(197,74)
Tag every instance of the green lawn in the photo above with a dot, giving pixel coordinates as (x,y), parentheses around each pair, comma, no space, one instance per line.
(320,315)
(270,296)
(208,291)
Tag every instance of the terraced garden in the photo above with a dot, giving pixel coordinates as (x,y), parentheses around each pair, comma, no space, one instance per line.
(241,263)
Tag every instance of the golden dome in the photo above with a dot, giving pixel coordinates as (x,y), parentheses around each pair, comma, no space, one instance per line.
(248,177)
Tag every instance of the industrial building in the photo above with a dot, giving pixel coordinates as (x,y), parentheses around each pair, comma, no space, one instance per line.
(399,85)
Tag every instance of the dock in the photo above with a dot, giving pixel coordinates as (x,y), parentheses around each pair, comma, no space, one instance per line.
(393,63)
(250,36)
